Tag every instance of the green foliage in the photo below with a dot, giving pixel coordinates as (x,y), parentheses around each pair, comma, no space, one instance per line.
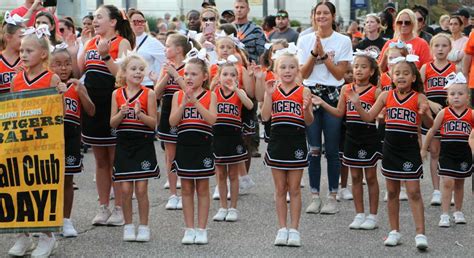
(295,23)
(151,22)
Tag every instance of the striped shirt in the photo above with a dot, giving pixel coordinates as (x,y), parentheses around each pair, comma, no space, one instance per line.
(253,38)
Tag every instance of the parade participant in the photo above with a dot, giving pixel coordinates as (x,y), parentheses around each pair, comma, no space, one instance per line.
(405,108)
(193,111)
(229,150)
(434,76)
(455,162)
(10,55)
(459,41)
(113,37)
(361,145)
(133,115)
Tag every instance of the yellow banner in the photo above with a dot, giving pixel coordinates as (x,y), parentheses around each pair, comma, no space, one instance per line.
(31,161)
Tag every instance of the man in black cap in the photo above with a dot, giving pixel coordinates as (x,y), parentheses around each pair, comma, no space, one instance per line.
(228,15)
(464,15)
(283,31)
(207,3)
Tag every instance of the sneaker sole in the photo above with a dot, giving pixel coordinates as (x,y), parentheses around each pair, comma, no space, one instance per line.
(99,223)
(292,244)
(142,240)
(280,243)
(460,222)
(69,236)
(363,228)
(444,226)
(115,224)
(129,239)
(422,247)
(435,204)
(200,243)
(329,213)
(27,252)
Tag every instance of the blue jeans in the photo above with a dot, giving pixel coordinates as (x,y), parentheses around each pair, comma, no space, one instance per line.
(331,127)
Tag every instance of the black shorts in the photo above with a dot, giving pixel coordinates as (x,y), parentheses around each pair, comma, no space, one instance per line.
(229,149)
(72,146)
(455,160)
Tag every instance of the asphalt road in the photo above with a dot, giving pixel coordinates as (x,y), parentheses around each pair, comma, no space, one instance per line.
(254,233)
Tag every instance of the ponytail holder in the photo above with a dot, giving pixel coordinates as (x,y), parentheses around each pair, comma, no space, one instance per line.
(58,47)
(41,31)
(454,78)
(409,58)
(230,60)
(368,53)
(291,49)
(194,53)
(16,19)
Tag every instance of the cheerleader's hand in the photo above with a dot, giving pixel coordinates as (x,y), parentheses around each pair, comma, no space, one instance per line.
(103,47)
(137,108)
(317,100)
(435,107)
(124,109)
(153,76)
(353,97)
(171,70)
(61,87)
(424,108)
(270,87)
(424,154)
(190,98)
(307,99)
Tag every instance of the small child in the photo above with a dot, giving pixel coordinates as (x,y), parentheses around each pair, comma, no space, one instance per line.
(10,56)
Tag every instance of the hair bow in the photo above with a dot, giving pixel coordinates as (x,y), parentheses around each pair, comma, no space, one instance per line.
(369,53)
(268,45)
(41,31)
(454,78)
(234,39)
(194,53)
(398,44)
(58,47)
(230,59)
(409,58)
(191,34)
(125,55)
(15,19)
(291,49)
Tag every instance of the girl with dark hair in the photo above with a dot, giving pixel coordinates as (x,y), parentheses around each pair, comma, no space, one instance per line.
(48,19)
(10,55)
(114,37)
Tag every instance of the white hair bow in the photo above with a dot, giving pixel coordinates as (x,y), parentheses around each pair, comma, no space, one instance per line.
(125,55)
(191,34)
(454,78)
(230,59)
(268,45)
(194,53)
(59,46)
(369,53)
(409,58)
(234,39)
(41,31)
(14,19)
(291,49)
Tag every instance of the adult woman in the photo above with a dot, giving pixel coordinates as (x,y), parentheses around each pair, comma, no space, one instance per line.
(406,27)
(48,19)
(444,21)
(373,41)
(209,23)
(456,28)
(324,58)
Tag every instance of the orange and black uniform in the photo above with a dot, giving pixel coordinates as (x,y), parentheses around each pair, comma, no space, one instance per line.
(100,84)
(72,131)
(135,157)
(362,144)
(401,151)
(21,82)
(228,143)
(287,148)
(194,156)
(385,82)
(455,158)
(7,73)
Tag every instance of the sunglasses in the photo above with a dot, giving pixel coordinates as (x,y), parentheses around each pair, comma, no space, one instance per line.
(139,22)
(206,19)
(283,15)
(406,23)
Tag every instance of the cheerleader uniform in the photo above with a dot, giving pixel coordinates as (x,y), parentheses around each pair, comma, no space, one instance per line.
(455,158)
(72,131)
(21,82)
(228,143)
(135,157)
(401,151)
(435,80)
(166,133)
(287,148)
(7,73)
(194,157)
(385,85)
(361,145)
(100,83)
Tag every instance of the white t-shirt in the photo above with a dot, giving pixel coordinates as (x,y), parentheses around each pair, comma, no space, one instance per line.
(154,54)
(337,46)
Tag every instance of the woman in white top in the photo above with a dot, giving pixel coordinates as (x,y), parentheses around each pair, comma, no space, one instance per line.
(324,57)
(456,28)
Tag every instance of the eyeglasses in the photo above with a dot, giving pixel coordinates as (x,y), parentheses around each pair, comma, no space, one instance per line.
(406,23)
(206,19)
(420,19)
(139,22)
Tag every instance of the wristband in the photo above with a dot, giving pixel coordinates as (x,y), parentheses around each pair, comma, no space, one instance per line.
(106,58)
(312,53)
(324,57)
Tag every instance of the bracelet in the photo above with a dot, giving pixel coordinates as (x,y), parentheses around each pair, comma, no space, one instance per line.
(324,57)
(106,58)
(312,53)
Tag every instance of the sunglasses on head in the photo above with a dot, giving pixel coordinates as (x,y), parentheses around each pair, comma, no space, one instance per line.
(138,22)
(206,19)
(281,15)
(406,23)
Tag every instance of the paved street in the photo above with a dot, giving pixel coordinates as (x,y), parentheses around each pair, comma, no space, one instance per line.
(254,233)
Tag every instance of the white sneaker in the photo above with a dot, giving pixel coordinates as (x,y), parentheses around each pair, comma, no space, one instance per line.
(178,183)
(403,194)
(220,215)
(189,235)
(345,194)
(23,245)
(179,206)
(444,221)
(68,228)
(116,219)
(282,237)
(232,215)
(215,195)
(421,242)
(370,222)
(167,184)
(102,216)
(246,183)
(330,207)
(172,202)
(358,220)
(201,236)
(143,233)
(129,233)
(436,199)
(315,205)
(459,217)
(46,246)
(287,197)
(393,238)
(294,238)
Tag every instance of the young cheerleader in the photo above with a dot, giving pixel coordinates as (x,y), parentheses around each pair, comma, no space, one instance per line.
(361,145)
(113,37)
(229,150)
(75,99)
(405,108)
(434,76)
(34,54)
(10,55)
(170,82)
(194,112)
(288,104)
(455,161)
(133,114)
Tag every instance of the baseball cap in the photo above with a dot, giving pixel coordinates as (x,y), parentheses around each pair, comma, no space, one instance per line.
(230,12)
(207,3)
(463,12)
(390,6)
